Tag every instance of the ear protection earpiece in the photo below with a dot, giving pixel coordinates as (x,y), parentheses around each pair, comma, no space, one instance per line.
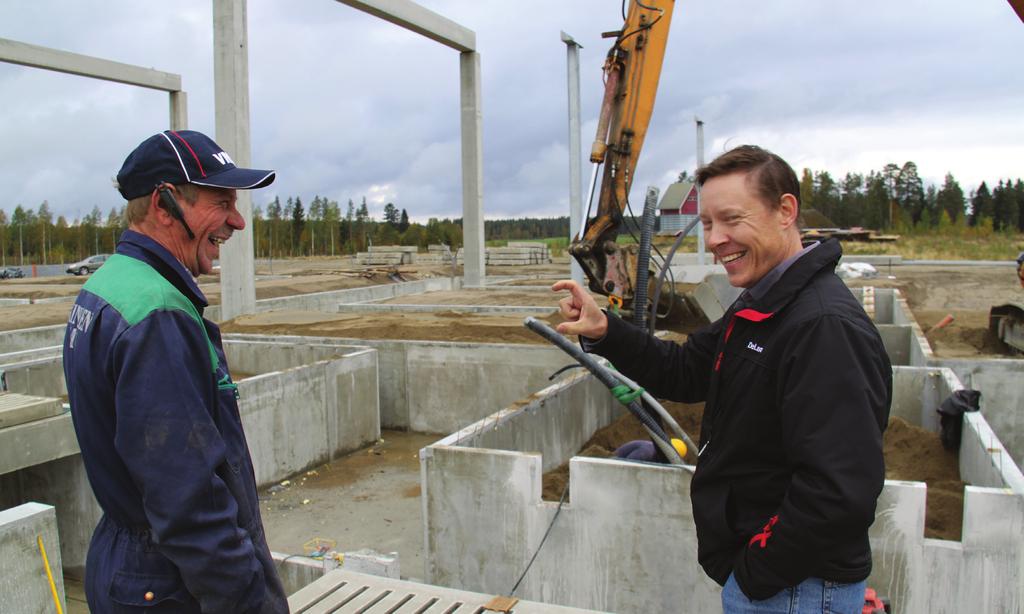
(170,204)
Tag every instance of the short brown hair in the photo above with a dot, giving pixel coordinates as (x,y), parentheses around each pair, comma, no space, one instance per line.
(138,208)
(771,175)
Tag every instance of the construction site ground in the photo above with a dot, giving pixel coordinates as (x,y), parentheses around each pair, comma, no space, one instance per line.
(370,499)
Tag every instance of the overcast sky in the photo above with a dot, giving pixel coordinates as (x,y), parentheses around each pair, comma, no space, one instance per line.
(345,105)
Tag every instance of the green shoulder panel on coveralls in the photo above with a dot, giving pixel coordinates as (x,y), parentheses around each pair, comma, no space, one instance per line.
(136,290)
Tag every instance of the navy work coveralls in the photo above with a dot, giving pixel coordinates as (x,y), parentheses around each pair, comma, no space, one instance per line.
(157,420)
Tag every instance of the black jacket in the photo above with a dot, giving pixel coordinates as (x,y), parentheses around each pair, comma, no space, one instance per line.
(797,388)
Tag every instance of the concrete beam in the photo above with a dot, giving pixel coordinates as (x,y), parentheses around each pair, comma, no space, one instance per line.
(231,99)
(35,56)
(416,18)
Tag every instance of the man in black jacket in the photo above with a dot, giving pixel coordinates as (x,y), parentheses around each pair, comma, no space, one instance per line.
(797,387)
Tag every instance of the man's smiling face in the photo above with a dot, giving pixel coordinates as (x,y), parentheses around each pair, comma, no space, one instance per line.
(747,235)
(213,218)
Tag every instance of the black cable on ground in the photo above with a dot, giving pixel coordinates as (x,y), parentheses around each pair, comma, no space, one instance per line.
(563,370)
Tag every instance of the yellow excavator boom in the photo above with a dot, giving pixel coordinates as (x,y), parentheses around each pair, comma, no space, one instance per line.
(632,70)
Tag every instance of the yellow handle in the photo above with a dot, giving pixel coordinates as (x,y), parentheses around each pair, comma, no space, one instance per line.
(49,575)
(679,446)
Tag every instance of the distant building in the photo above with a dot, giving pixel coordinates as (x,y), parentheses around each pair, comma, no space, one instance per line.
(678,208)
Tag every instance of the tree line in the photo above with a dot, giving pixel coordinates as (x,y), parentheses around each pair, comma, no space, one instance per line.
(892,199)
(895,199)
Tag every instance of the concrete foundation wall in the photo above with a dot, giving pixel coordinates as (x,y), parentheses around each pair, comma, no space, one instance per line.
(328,301)
(440,387)
(1001,382)
(31,338)
(24,584)
(63,484)
(632,522)
(24,587)
(295,417)
(307,415)
(41,377)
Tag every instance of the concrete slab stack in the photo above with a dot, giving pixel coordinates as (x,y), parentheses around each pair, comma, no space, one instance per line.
(519,253)
(387,255)
(436,254)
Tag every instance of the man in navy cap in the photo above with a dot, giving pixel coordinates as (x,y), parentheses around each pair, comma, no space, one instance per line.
(154,407)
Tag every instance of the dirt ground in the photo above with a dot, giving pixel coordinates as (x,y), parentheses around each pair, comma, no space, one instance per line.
(965,292)
(435,326)
(912,454)
(367,499)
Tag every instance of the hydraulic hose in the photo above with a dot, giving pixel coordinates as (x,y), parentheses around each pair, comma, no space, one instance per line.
(607,377)
(661,411)
(643,258)
(664,271)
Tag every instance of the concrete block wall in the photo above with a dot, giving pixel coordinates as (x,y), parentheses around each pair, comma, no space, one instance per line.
(24,587)
(484,517)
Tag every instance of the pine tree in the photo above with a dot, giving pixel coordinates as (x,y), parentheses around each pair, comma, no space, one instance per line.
(981,205)
(403,222)
(851,201)
(950,198)
(807,190)
(391,215)
(1018,191)
(298,221)
(824,194)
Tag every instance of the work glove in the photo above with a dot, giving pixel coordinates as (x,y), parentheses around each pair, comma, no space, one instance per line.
(638,450)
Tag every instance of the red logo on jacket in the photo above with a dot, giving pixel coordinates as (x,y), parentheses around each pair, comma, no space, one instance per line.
(766,532)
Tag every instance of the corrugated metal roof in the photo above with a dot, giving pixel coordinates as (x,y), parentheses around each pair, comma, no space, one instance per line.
(676,195)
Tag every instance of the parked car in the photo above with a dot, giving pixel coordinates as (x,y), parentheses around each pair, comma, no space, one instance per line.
(11,273)
(89,265)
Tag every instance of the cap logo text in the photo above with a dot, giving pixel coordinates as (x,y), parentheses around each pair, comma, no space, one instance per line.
(223,158)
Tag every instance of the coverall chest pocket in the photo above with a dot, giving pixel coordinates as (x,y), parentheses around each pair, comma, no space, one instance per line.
(239,473)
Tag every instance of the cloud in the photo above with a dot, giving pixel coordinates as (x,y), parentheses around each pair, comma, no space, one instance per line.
(342,101)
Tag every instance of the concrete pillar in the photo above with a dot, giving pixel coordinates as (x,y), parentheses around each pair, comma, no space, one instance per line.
(231,100)
(179,110)
(700,163)
(575,148)
(472,170)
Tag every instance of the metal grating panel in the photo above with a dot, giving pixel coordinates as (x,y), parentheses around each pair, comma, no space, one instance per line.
(346,592)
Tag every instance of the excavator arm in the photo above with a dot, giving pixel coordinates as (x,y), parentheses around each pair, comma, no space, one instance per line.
(631,73)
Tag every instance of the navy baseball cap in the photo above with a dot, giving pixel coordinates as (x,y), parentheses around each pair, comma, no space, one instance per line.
(184,156)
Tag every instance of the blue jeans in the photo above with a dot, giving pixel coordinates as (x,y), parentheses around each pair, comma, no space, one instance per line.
(812,596)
